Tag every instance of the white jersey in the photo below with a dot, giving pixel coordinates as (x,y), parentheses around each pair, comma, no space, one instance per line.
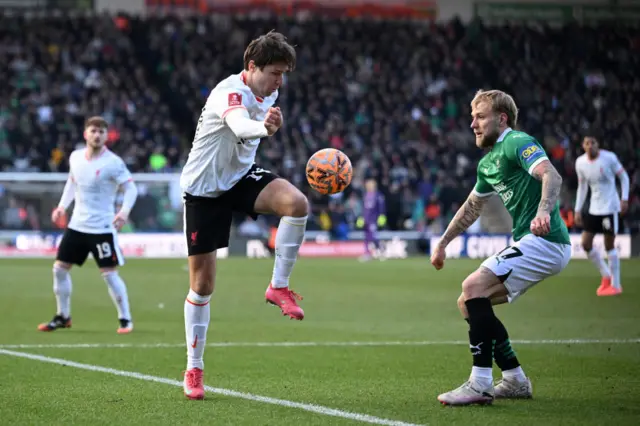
(600,176)
(218,158)
(96,185)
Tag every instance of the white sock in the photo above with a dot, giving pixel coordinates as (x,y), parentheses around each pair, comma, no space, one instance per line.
(597,260)
(62,289)
(614,265)
(118,292)
(482,376)
(515,373)
(197,313)
(288,241)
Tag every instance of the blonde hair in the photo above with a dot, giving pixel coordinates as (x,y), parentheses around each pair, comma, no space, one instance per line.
(500,102)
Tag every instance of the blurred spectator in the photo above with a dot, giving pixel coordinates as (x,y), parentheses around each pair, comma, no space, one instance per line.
(394,96)
(568,216)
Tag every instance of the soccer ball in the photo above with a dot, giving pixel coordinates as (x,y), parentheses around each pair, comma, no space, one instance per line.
(329,171)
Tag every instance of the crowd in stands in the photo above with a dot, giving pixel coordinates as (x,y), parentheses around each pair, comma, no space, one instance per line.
(394,96)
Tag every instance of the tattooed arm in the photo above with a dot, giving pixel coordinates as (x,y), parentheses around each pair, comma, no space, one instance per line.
(551,186)
(464,218)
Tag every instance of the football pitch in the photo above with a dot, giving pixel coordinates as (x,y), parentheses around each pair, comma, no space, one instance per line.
(379,342)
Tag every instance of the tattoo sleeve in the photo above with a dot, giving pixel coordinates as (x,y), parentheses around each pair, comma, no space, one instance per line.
(551,186)
(464,218)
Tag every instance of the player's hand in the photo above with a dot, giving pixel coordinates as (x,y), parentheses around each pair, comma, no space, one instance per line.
(274,117)
(58,217)
(438,257)
(577,218)
(541,224)
(273,120)
(624,207)
(120,219)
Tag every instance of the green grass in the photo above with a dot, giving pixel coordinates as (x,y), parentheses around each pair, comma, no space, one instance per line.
(345,301)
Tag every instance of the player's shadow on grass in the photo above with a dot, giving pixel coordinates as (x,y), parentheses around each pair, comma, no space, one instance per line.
(475,407)
(502,405)
(101,331)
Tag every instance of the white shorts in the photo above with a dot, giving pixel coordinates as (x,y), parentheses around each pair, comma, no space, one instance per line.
(527,262)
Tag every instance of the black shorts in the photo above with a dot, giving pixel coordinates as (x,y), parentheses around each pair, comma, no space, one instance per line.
(601,224)
(75,246)
(208,220)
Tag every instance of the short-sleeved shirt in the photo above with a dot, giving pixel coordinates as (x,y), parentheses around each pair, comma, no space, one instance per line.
(506,170)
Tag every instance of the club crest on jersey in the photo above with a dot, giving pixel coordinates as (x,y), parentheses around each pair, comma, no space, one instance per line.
(530,152)
(235,99)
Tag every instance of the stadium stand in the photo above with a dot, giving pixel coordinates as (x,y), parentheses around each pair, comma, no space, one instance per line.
(394,96)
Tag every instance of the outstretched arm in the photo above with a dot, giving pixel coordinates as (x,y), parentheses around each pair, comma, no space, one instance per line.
(551,186)
(464,218)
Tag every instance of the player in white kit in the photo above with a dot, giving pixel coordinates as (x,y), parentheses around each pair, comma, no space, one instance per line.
(95,175)
(220,177)
(597,170)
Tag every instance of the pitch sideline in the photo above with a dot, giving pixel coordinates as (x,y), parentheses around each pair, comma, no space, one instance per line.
(318,409)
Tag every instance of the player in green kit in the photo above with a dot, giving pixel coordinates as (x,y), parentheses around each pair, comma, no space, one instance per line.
(518,170)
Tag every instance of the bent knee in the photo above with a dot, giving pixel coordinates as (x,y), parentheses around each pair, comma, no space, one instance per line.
(461,301)
(293,204)
(472,287)
(62,265)
(482,283)
(203,285)
(587,242)
(609,242)
(462,307)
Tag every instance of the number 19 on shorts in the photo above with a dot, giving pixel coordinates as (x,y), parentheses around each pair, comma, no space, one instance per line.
(104,250)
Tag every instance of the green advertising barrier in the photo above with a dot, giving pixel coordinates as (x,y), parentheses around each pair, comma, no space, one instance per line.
(557,13)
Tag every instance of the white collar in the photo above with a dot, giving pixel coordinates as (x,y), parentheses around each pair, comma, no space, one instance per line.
(504,134)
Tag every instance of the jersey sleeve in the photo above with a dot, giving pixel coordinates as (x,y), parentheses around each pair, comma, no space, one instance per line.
(618,169)
(525,151)
(72,162)
(121,174)
(226,100)
(615,164)
(579,172)
(581,192)
(482,188)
